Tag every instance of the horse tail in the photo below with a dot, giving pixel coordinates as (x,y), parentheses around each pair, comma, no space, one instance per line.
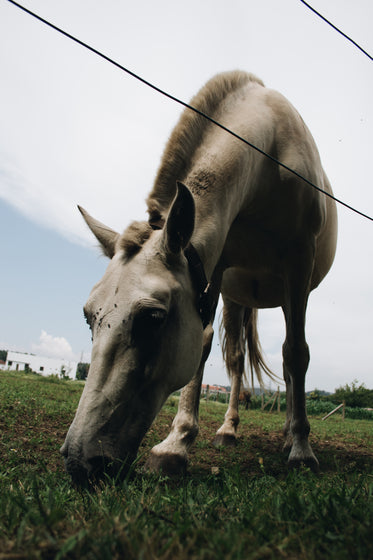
(233,346)
(255,357)
(243,338)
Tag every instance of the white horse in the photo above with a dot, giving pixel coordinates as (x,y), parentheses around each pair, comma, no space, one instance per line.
(242,226)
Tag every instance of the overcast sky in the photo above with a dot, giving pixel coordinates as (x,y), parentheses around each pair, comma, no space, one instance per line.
(76,130)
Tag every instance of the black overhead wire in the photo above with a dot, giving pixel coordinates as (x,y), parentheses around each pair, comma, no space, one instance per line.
(336,29)
(186,105)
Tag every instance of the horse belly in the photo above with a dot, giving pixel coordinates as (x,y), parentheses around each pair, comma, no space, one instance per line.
(258,290)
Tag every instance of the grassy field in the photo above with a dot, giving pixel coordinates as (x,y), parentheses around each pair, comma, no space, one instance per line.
(251,507)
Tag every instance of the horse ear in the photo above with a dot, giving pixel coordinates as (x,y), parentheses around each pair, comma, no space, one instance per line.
(105,236)
(180,222)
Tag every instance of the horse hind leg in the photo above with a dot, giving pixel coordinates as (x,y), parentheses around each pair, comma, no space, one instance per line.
(227,433)
(296,358)
(234,354)
(289,411)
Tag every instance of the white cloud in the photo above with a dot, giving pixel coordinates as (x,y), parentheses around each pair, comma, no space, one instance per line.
(53,347)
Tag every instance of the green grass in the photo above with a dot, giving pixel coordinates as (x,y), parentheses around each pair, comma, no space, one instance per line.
(251,508)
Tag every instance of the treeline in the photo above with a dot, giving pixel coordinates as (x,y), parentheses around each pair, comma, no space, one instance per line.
(357,398)
(353,395)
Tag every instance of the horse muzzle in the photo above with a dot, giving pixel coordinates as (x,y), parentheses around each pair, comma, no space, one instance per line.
(86,471)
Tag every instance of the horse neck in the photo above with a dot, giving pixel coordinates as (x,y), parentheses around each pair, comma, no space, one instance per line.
(215,213)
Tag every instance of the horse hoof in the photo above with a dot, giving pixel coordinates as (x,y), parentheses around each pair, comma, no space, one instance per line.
(224,440)
(167,464)
(288,444)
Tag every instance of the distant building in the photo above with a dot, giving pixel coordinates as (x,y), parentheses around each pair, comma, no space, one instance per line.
(20,361)
(213,389)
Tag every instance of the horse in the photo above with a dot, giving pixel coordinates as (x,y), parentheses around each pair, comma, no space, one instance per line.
(223,219)
(244,398)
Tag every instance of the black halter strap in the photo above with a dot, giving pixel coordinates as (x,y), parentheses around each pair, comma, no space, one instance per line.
(199,280)
(201,284)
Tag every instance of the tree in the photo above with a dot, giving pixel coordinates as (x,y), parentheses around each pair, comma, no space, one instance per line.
(3,355)
(314,395)
(354,395)
(82,371)
(64,373)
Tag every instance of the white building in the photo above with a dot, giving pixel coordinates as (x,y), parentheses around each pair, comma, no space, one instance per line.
(20,361)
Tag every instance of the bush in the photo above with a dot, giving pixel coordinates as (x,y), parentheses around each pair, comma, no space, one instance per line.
(319,407)
(354,395)
(322,408)
(82,371)
(357,413)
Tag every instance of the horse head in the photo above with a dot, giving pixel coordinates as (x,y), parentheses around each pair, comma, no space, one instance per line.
(146,340)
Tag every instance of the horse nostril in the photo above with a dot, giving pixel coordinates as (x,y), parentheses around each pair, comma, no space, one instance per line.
(89,470)
(96,469)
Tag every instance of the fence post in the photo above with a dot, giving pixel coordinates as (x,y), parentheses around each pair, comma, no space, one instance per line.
(333,411)
(207,392)
(271,400)
(274,400)
(262,401)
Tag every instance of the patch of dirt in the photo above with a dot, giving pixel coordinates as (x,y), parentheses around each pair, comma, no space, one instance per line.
(34,442)
(260,450)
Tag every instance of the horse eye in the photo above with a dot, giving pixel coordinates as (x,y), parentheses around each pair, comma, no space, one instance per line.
(157,316)
(147,322)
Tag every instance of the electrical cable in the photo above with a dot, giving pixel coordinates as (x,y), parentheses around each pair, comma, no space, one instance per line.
(336,29)
(186,105)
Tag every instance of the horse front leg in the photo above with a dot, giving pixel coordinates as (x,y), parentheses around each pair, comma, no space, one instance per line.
(171,455)
(296,358)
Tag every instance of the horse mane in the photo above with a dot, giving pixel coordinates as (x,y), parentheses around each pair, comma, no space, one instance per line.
(187,136)
(134,237)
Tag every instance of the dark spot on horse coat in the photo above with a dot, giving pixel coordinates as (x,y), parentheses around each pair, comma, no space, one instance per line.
(202,182)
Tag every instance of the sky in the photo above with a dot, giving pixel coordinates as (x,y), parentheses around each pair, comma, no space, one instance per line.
(76,130)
